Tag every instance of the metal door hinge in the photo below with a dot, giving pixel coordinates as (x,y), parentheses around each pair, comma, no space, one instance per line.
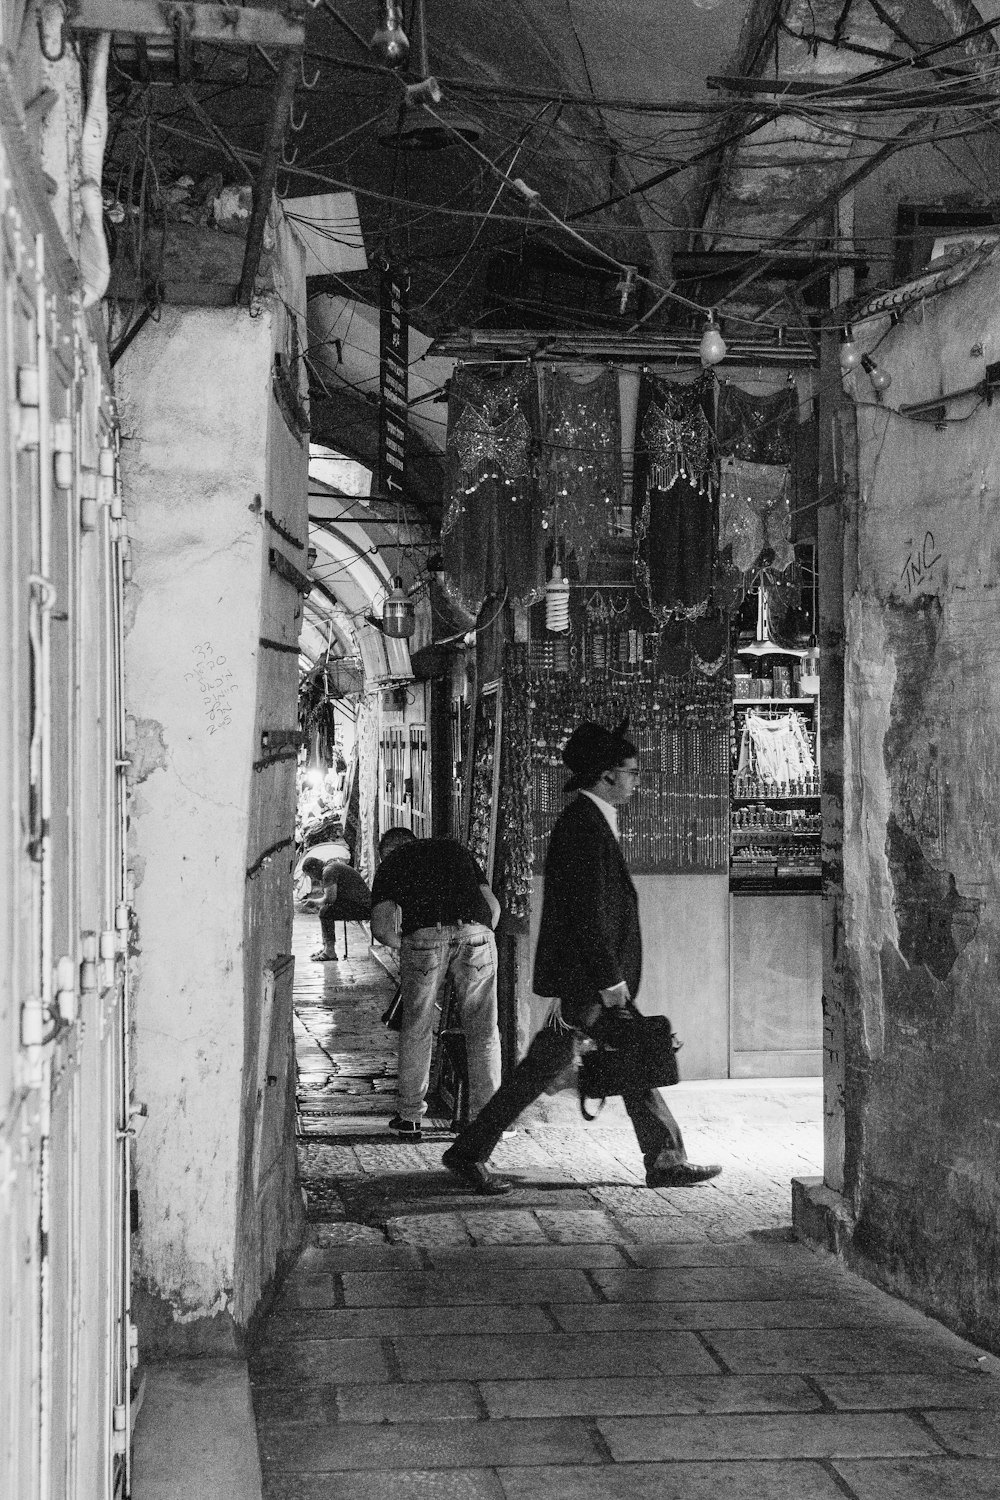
(119,1429)
(66,996)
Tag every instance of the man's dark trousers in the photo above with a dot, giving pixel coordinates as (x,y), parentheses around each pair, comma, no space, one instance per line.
(552,1050)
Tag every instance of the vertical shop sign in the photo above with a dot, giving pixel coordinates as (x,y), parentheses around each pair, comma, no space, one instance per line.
(393,386)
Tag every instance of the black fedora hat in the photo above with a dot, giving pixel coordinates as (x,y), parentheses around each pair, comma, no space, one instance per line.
(592,749)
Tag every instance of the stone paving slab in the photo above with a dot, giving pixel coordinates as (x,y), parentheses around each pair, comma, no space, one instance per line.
(321,1291)
(430,1231)
(387,1322)
(732,1481)
(551,1356)
(494,1258)
(801,1313)
(700,1284)
(317,1361)
(973,1434)
(428,1401)
(921,1391)
(465,1286)
(509,1227)
(826,1351)
(572,1228)
(765,1435)
(921,1479)
(747,1253)
(363,1249)
(674,1394)
(414,1484)
(416,1445)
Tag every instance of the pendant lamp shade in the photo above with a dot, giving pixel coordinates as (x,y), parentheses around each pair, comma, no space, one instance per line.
(398,617)
(764,643)
(416,129)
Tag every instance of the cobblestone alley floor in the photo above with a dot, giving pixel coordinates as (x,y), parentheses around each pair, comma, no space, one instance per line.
(586,1336)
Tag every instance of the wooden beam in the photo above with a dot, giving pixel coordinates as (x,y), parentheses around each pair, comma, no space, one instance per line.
(263,188)
(200,21)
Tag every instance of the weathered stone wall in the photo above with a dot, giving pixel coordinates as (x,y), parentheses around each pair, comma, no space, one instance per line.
(209,466)
(269,1206)
(921,830)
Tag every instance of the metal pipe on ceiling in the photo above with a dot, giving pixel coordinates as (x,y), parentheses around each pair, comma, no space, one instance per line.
(479,346)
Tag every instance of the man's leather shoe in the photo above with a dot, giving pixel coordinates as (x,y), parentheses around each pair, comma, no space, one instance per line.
(475,1174)
(684,1174)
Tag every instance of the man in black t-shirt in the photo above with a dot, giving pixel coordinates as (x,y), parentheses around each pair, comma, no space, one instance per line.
(432,903)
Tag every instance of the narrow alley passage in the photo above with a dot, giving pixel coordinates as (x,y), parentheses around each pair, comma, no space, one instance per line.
(589,1336)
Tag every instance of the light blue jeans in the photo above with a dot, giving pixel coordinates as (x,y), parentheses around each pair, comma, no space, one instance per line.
(465,952)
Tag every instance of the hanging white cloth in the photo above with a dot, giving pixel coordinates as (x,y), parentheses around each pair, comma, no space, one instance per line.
(775,750)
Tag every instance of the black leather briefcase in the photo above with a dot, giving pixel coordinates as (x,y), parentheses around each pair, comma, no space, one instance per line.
(633,1053)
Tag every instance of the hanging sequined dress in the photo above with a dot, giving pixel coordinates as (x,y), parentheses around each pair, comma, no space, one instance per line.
(756,437)
(582,462)
(491,535)
(675,477)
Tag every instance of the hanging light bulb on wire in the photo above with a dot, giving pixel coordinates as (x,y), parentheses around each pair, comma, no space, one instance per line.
(850,354)
(390,40)
(712,349)
(881,379)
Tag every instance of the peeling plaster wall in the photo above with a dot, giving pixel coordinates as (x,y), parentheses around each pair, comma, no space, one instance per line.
(205,455)
(270,1208)
(922,835)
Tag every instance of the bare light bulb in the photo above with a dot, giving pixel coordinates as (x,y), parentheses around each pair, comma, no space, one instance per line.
(557,602)
(850,354)
(712,349)
(881,379)
(390,40)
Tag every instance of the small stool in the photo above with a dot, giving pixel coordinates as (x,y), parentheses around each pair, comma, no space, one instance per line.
(455,1061)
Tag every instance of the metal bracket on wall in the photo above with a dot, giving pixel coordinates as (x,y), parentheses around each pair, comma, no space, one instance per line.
(287,570)
(281,739)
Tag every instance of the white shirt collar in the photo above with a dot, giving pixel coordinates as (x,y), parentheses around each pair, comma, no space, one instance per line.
(608,812)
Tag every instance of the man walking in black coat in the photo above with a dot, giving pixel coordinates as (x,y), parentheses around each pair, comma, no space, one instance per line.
(589,958)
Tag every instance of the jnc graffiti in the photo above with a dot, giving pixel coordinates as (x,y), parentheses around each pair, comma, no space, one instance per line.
(919,562)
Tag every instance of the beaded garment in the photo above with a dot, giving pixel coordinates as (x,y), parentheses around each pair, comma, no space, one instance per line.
(491,536)
(582,466)
(755,512)
(675,476)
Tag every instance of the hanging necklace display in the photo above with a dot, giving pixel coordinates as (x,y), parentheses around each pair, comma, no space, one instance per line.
(709,639)
(676,474)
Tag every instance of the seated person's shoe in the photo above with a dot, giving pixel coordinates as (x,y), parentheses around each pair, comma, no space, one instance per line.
(475,1174)
(408,1128)
(683,1174)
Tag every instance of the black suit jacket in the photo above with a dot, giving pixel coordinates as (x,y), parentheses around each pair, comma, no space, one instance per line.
(589,937)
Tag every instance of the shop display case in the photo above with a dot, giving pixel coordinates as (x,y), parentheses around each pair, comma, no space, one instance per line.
(775,820)
(775,823)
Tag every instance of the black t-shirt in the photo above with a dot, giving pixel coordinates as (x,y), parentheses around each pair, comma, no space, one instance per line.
(353,895)
(431,881)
